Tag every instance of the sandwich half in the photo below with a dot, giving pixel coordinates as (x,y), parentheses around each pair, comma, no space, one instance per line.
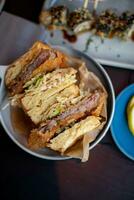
(49,94)
(40,58)
(90,105)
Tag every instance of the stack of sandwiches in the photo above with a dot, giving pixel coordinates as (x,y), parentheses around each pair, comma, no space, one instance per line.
(51,92)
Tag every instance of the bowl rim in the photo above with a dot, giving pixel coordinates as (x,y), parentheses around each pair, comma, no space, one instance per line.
(104,130)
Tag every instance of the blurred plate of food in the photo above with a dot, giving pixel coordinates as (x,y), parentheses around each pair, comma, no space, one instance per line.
(105,31)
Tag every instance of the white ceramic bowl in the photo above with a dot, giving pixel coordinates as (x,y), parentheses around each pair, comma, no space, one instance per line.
(46,153)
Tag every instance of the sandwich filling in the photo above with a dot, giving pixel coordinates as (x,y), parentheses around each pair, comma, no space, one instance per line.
(50,94)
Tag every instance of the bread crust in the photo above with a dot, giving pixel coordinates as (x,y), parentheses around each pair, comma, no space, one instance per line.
(19,67)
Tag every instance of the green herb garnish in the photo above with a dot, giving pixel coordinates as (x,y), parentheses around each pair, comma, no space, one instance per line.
(33,83)
(55,112)
(38,81)
(88,42)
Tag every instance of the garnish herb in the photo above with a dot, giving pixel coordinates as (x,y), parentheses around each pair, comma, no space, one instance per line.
(88,42)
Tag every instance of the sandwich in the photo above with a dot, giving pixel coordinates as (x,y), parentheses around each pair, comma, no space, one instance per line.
(49,87)
(67,120)
(50,95)
(40,58)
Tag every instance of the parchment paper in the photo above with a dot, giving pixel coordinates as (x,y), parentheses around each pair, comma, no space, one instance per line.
(88,81)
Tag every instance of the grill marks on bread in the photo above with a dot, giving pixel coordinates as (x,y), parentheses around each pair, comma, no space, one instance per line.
(53,127)
(17,84)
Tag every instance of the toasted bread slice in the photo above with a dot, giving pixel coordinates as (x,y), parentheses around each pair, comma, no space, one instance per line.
(50,107)
(97,111)
(38,99)
(40,58)
(73,114)
(67,138)
(16,67)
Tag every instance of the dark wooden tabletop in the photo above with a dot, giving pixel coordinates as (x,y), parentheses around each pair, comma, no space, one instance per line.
(107,175)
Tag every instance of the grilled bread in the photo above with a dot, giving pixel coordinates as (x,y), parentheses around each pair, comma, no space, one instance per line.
(68,137)
(40,58)
(89,105)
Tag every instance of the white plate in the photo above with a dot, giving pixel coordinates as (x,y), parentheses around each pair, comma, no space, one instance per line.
(113,52)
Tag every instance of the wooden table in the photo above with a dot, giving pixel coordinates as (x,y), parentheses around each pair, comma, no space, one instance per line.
(107,175)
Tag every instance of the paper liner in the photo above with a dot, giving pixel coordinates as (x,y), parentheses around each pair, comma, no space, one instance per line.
(89,82)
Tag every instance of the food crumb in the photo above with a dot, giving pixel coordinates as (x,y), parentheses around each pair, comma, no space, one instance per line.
(51,34)
(118,56)
(88,42)
(102,40)
(96,48)
(63,42)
